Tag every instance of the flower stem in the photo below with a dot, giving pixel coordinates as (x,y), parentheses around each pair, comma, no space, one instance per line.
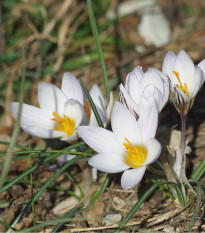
(183,134)
(182,150)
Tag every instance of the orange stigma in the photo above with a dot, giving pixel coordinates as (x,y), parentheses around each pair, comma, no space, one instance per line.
(180,86)
(87,108)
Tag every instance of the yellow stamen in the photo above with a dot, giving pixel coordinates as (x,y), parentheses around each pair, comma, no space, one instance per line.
(64,124)
(136,155)
(180,86)
(87,108)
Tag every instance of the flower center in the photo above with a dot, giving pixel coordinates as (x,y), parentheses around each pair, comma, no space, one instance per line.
(136,155)
(180,86)
(87,108)
(64,124)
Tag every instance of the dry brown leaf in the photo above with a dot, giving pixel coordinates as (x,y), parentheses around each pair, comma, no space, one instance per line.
(8,214)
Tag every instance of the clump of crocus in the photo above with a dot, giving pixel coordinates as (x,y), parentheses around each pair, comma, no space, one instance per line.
(61,110)
(129,148)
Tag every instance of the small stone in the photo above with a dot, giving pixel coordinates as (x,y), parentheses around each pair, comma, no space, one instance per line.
(112,219)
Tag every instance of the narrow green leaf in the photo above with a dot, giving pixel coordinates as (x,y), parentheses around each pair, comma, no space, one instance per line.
(97,116)
(101,189)
(97,41)
(16,145)
(197,207)
(35,166)
(165,189)
(47,152)
(5,224)
(199,171)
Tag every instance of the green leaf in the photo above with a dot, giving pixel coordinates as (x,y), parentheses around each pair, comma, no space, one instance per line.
(97,41)
(199,171)
(197,207)
(101,189)
(35,166)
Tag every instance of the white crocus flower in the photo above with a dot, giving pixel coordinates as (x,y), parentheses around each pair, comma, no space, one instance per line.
(143,88)
(186,79)
(129,148)
(61,111)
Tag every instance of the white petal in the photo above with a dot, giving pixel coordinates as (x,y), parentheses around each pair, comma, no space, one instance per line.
(160,87)
(185,67)
(168,63)
(72,138)
(125,125)
(153,76)
(153,151)
(132,177)
(100,139)
(148,120)
(72,88)
(132,83)
(108,162)
(138,72)
(167,91)
(74,110)
(197,81)
(127,101)
(202,67)
(150,95)
(110,108)
(42,132)
(51,99)
(31,116)
(93,121)
(97,98)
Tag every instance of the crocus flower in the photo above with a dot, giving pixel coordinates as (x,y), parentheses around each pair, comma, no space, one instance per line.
(61,111)
(143,88)
(129,148)
(186,79)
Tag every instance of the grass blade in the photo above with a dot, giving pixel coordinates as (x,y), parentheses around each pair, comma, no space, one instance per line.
(197,207)
(199,171)
(99,49)
(101,189)
(35,166)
